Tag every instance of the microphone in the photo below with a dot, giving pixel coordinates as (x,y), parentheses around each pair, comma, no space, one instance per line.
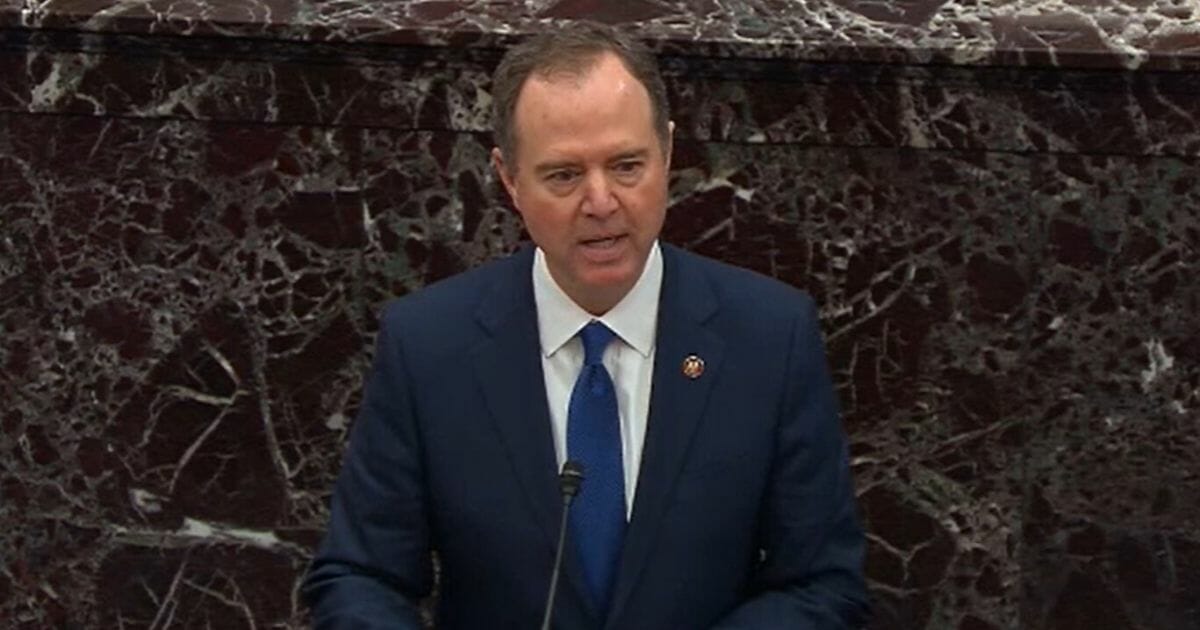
(569,481)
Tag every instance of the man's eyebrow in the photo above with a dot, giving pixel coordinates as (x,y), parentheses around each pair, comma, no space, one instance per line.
(554,165)
(630,154)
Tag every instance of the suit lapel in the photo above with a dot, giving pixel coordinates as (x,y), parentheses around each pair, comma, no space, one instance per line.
(677,404)
(508,369)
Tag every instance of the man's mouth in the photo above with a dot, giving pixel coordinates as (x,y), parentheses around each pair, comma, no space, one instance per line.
(603,242)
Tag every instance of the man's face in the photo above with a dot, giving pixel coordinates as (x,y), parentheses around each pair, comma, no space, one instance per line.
(589,178)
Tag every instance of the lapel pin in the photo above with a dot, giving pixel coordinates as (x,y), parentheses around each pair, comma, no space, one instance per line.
(693,367)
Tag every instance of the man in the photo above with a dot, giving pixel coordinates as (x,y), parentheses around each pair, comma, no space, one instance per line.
(716,487)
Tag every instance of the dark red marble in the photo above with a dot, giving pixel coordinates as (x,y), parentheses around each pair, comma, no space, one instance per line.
(204,213)
(1110,532)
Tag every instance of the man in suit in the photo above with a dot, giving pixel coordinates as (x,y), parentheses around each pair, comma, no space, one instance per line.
(717,490)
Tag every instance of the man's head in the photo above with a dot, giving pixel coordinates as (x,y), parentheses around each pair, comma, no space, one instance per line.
(583,147)
(571,52)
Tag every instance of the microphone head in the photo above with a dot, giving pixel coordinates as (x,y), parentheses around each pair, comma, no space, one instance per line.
(571,478)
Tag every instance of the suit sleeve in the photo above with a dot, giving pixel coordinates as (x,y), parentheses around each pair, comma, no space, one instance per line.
(374,563)
(812,575)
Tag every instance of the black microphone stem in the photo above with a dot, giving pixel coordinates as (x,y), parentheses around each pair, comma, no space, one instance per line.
(558,555)
(569,480)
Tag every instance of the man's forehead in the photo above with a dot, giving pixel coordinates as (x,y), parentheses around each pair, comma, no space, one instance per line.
(573,69)
(605,72)
(604,103)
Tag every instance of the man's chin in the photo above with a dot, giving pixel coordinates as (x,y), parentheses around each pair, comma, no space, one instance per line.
(609,277)
(602,283)
(607,284)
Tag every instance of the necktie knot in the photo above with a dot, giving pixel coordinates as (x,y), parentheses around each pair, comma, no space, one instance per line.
(596,337)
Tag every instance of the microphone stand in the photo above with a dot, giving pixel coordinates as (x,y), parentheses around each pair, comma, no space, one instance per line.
(569,481)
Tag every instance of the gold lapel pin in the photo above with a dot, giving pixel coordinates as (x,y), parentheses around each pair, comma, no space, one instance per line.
(693,367)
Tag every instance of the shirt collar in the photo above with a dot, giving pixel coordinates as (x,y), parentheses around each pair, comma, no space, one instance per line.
(633,319)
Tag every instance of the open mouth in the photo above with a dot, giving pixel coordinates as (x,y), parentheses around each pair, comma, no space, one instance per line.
(602,243)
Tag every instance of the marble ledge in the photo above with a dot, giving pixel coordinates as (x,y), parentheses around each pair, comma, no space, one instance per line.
(807,104)
(1128,34)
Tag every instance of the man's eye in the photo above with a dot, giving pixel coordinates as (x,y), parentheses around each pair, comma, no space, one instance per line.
(560,177)
(631,166)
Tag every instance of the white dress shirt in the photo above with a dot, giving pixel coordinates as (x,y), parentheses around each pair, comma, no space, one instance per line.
(629,359)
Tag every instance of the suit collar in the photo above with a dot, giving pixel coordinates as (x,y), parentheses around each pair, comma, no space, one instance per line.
(677,404)
(510,296)
(509,372)
(508,369)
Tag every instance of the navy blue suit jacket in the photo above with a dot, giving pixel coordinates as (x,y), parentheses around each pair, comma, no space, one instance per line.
(744,515)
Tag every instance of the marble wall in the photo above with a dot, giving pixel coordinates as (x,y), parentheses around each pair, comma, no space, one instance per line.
(995,203)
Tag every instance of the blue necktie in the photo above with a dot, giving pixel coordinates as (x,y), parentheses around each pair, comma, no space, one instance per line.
(594,439)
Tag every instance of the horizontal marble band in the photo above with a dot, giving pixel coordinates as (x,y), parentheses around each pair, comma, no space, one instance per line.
(1026,33)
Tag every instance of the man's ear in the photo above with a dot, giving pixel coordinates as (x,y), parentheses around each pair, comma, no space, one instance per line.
(505,175)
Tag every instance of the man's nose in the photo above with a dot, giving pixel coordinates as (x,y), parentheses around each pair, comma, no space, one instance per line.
(598,199)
